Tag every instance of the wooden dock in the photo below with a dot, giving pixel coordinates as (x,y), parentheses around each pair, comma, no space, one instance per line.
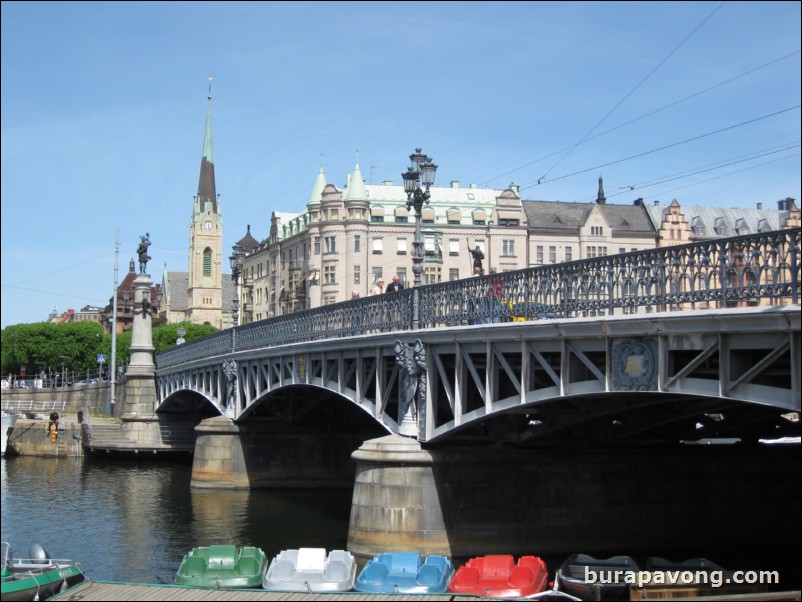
(101,591)
(131,592)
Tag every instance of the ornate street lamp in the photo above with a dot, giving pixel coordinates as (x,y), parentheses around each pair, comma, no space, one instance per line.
(237,262)
(420,172)
(180,331)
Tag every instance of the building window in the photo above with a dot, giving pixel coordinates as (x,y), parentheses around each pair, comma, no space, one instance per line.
(596,231)
(402,275)
(508,222)
(569,254)
(377,218)
(402,246)
(508,248)
(330,274)
(552,254)
(331,244)
(377,246)
(357,274)
(453,247)
(539,256)
(377,274)
(357,243)
(207,262)
(432,274)
(453,274)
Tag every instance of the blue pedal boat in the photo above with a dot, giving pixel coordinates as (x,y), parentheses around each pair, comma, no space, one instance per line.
(405,573)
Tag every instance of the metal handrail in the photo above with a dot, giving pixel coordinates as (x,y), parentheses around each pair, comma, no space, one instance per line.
(739,271)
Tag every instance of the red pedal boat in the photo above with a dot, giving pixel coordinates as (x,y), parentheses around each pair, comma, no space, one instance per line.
(498,576)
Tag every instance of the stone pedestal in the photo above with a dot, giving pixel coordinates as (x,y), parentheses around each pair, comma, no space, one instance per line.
(395,505)
(140,376)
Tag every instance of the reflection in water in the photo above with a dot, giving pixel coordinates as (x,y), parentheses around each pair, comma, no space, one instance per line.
(125,521)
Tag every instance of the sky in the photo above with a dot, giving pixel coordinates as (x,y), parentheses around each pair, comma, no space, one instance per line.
(104,106)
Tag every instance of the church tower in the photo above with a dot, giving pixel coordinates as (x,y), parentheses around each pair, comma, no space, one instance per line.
(205,278)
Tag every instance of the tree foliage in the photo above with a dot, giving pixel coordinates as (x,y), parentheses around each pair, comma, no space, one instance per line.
(74,346)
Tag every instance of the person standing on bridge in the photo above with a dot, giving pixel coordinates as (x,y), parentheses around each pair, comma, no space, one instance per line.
(395,285)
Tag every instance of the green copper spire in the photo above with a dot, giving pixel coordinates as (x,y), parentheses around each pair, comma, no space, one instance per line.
(206,185)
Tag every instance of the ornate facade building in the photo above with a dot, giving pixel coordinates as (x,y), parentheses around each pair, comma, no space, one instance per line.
(346,240)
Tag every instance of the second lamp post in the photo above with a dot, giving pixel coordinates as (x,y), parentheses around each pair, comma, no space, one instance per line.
(420,172)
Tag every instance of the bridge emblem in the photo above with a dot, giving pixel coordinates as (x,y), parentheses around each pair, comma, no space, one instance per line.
(634,364)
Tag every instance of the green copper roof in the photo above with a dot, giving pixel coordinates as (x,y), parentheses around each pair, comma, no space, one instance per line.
(208,153)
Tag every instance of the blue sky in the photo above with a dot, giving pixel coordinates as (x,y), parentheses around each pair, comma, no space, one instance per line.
(103,108)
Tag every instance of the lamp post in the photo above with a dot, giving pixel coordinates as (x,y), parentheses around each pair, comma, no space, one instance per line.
(180,331)
(420,172)
(236,260)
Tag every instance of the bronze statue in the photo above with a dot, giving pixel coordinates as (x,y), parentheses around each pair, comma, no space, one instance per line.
(142,250)
(478,256)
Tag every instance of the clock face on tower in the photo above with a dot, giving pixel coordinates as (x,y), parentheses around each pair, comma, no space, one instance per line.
(207,225)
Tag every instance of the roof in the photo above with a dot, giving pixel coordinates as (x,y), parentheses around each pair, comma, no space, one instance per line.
(754,220)
(555,217)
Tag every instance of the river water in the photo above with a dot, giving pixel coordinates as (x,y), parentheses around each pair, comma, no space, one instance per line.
(133,522)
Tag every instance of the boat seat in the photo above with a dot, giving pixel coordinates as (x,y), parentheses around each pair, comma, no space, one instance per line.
(521,576)
(405,563)
(376,571)
(311,559)
(247,565)
(429,575)
(194,565)
(336,571)
(282,570)
(497,566)
(222,555)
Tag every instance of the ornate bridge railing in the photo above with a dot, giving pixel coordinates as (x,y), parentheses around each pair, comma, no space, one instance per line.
(750,270)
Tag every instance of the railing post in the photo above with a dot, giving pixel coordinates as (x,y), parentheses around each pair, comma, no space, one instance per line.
(415,308)
(794,250)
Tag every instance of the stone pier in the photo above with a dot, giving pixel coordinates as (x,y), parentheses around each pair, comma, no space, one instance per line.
(496,500)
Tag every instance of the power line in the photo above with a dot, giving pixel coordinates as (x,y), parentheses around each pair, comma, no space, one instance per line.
(709,168)
(650,113)
(725,175)
(628,94)
(643,154)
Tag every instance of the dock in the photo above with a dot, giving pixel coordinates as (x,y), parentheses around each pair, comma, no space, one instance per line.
(132,592)
(102,591)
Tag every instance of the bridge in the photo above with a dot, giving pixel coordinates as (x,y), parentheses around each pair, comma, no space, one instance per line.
(677,343)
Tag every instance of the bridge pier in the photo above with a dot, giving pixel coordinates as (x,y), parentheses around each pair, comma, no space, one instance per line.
(495,500)
(261,455)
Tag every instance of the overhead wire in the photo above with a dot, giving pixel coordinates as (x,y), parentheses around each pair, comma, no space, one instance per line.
(649,114)
(632,91)
(655,150)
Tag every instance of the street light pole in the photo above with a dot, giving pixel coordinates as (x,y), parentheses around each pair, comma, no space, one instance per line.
(422,171)
(236,260)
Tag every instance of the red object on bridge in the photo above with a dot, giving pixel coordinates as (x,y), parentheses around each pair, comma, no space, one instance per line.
(498,576)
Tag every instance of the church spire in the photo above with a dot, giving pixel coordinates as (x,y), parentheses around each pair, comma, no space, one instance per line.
(600,198)
(206,185)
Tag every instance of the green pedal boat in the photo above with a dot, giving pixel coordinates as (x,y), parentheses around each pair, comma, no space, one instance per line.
(222,566)
(38,577)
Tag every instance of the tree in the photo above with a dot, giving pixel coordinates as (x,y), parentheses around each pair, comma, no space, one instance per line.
(45,347)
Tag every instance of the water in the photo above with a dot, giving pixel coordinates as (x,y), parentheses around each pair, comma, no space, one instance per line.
(133,522)
(127,521)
